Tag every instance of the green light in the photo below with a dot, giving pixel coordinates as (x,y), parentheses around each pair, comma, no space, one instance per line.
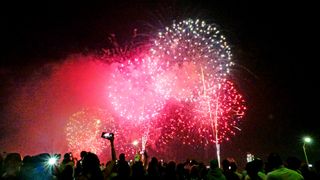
(307,139)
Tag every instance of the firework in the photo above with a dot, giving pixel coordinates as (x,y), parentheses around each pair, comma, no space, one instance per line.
(176,91)
(189,63)
(190,50)
(207,107)
(226,106)
(83,131)
(189,122)
(132,90)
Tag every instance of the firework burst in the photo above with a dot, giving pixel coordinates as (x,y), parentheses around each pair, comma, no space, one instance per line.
(205,106)
(83,131)
(132,90)
(190,121)
(190,51)
(178,90)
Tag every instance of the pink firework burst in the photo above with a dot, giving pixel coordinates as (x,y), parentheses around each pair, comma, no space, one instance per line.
(191,121)
(132,91)
(221,103)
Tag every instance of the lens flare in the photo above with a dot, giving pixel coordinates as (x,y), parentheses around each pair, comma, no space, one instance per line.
(52,161)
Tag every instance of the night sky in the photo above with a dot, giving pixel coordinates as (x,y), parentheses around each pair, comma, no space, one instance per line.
(272,42)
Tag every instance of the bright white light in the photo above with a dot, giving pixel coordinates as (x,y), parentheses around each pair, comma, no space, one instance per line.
(135,142)
(52,161)
(250,157)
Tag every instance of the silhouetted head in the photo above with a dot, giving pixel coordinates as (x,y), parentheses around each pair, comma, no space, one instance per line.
(214,164)
(154,160)
(27,159)
(274,160)
(252,169)
(226,165)
(153,168)
(91,163)
(66,156)
(233,166)
(122,157)
(13,160)
(293,163)
(83,154)
(137,169)
(180,168)
(171,167)
(258,163)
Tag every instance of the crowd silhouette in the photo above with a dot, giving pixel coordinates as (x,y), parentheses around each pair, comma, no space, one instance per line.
(89,167)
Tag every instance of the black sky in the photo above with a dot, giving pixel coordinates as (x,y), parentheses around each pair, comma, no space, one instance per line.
(274,41)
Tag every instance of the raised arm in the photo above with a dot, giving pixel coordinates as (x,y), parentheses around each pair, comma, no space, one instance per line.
(113,151)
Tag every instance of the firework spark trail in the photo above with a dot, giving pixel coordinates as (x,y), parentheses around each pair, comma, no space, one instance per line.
(187,119)
(227,105)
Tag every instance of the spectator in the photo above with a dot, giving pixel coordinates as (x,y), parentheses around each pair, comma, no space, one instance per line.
(123,167)
(138,171)
(279,171)
(12,164)
(79,167)
(293,163)
(91,167)
(215,173)
(153,169)
(228,172)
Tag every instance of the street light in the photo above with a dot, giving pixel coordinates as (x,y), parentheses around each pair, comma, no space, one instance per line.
(306,140)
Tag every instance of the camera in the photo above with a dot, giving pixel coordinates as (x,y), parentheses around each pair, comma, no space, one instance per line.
(106,135)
